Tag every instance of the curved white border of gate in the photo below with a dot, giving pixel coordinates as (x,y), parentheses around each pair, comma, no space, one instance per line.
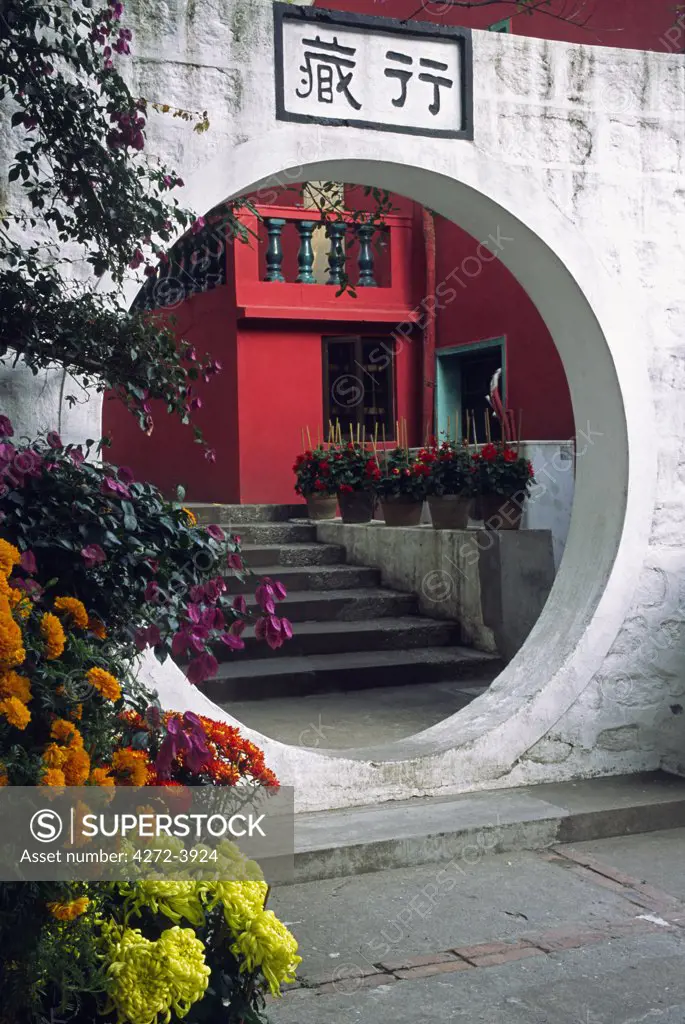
(585,311)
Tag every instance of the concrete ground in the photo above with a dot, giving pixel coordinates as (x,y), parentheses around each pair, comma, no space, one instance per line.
(592,933)
(358,718)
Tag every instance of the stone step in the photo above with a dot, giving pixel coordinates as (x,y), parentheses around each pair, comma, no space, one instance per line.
(311,577)
(257,678)
(276,533)
(257,555)
(340,637)
(236,515)
(345,605)
(463,829)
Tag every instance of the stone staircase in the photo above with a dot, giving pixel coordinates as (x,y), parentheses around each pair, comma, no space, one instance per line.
(351,633)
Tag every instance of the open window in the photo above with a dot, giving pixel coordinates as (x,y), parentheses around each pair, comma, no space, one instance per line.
(359,385)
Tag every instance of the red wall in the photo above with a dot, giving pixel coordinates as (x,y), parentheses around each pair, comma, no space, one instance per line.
(632,24)
(169,456)
(494,305)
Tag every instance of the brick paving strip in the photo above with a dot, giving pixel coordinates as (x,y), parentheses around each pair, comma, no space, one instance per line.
(660,910)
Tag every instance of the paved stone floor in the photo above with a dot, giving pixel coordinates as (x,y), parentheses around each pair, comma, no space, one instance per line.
(587,934)
(357,718)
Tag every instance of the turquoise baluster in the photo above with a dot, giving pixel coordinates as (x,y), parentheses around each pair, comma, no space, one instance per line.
(365,233)
(305,254)
(274,252)
(336,253)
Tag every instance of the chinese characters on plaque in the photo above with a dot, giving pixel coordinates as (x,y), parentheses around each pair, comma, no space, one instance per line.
(336,71)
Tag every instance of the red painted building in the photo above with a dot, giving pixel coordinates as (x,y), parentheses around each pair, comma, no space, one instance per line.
(418,346)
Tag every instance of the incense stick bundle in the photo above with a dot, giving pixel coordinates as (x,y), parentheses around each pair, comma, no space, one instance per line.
(309,438)
(302,432)
(487,426)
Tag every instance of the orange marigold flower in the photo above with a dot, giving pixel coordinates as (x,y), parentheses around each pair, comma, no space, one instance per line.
(75,609)
(53,635)
(191,516)
(16,713)
(54,756)
(11,642)
(97,627)
(9,557)
(76,767)
(53,777)
(69,911)
(19,602)
(101,777)
(66,732)
(104,682)
(14,685)
(77,713)
(132,764)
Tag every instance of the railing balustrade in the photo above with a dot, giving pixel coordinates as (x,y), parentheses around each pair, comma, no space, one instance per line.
(337,232)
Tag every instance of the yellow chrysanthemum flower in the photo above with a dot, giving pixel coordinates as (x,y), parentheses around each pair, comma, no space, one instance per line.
(105,683)
(69,911)
(53,635)
(53,777)
(75,609)
(9,557)
(14,685)
(101,777)
(76,767)
(177,900)
(16,713)
(267,944)
(11,641)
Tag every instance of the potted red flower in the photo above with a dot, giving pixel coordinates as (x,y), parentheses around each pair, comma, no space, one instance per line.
(447,471)
(355,472)
(401,488)
(501,480)
(315,482)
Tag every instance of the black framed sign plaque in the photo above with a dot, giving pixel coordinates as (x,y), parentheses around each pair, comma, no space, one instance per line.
(410,77)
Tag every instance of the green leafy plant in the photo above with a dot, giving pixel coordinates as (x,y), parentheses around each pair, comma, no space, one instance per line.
(353,468)
(313,473)
(500,469)
(399,478)
(445,468)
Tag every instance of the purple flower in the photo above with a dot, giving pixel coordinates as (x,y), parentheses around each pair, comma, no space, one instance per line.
(216,533)
(76,456)
(93,555)
(204,667)
(125,475)
(28,562)
(53,439)
(6,428)
(234,642)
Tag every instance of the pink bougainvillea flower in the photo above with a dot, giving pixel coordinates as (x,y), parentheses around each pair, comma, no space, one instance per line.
(23,462)
(204,667)
(149,636)
(240,604)
(111,486)
(7,452)
(28,562)
(93,555)
(76,456)
(279,590)
(125,475)
(287,628)
(216,533)
(237,627)
(6,428)
(235,561)
(53,439)
(151,591)
(236,643)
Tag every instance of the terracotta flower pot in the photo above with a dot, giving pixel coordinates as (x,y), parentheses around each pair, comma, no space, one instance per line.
(499,512)
(401,511)
(322,506)
(449,511)
(356,506)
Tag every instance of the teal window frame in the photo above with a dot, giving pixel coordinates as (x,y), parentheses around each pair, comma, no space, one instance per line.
(501,26)
(440,385)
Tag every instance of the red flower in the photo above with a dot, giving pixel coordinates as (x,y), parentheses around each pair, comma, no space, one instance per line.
(510,455)
(489,453)
(319,485)
(346,489)
(531,471)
